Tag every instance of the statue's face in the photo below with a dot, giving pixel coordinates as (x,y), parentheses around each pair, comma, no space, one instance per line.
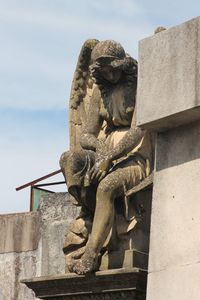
(110,74)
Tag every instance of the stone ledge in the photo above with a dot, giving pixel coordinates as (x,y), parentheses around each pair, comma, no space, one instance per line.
(118,281)
(168,93)
(19,232)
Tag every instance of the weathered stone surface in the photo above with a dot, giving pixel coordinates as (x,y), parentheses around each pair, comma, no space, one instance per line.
(51,222)
(175,223)
(14,267)
(111,284)
(57,212)
(19,232)
(169,76)
(127,295)
(175,283)
(57,206)
(108,156)
(176,206)
(169,96)
(125,259)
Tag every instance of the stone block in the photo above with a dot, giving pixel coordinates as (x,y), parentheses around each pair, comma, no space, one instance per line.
(174,255)
(34,241)
(169,76)
(57,212)
(175,220)
(124,259)
(19,232)
(106,285)
(176,283)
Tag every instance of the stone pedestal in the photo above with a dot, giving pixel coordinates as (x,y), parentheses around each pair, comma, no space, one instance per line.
(169,76)
(174,269)
(108,285)
(169,96)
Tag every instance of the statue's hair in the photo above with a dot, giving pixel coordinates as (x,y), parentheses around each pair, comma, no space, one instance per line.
(93,56)
(127,65)
(107,48)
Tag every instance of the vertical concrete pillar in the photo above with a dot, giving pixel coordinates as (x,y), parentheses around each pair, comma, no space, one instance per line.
(169,103)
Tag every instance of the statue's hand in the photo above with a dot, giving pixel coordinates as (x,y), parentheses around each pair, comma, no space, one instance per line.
(100,169)
(105,164)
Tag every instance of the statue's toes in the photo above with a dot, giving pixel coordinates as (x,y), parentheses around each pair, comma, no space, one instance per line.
(84,266)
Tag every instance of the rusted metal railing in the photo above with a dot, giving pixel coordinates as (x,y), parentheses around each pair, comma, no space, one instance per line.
(34,186)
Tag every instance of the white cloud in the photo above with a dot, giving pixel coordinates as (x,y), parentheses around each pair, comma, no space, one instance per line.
(67,15)
(41,41)
(42,19)
(124,8)
(73,23)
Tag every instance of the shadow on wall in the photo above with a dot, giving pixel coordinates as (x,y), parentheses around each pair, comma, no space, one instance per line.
(176,146)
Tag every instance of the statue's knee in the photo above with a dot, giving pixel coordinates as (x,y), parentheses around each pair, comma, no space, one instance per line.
(104,188)
(69,158)
(63,159)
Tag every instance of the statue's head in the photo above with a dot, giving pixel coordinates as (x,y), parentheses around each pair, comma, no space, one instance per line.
(109,61)
(107,50)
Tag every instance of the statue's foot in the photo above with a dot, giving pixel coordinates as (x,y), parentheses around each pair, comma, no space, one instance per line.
(87,263)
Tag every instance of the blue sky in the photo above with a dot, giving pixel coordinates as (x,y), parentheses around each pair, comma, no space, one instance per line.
(40,41)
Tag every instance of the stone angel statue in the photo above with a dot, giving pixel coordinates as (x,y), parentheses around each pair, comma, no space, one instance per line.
(108,156)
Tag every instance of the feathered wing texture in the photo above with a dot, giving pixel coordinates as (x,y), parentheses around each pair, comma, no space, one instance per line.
(81,91)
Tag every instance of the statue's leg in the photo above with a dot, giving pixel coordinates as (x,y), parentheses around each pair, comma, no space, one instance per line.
(108,189)
(111,187)
(74,166)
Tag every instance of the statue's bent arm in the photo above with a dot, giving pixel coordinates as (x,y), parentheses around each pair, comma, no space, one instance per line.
(128,142)
(94,123)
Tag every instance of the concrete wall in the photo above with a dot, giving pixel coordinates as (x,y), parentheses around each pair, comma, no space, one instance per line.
(169,76)
(174,268)
(31,244)
(168,97)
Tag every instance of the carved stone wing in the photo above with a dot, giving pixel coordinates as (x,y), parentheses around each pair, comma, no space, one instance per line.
(81,91)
